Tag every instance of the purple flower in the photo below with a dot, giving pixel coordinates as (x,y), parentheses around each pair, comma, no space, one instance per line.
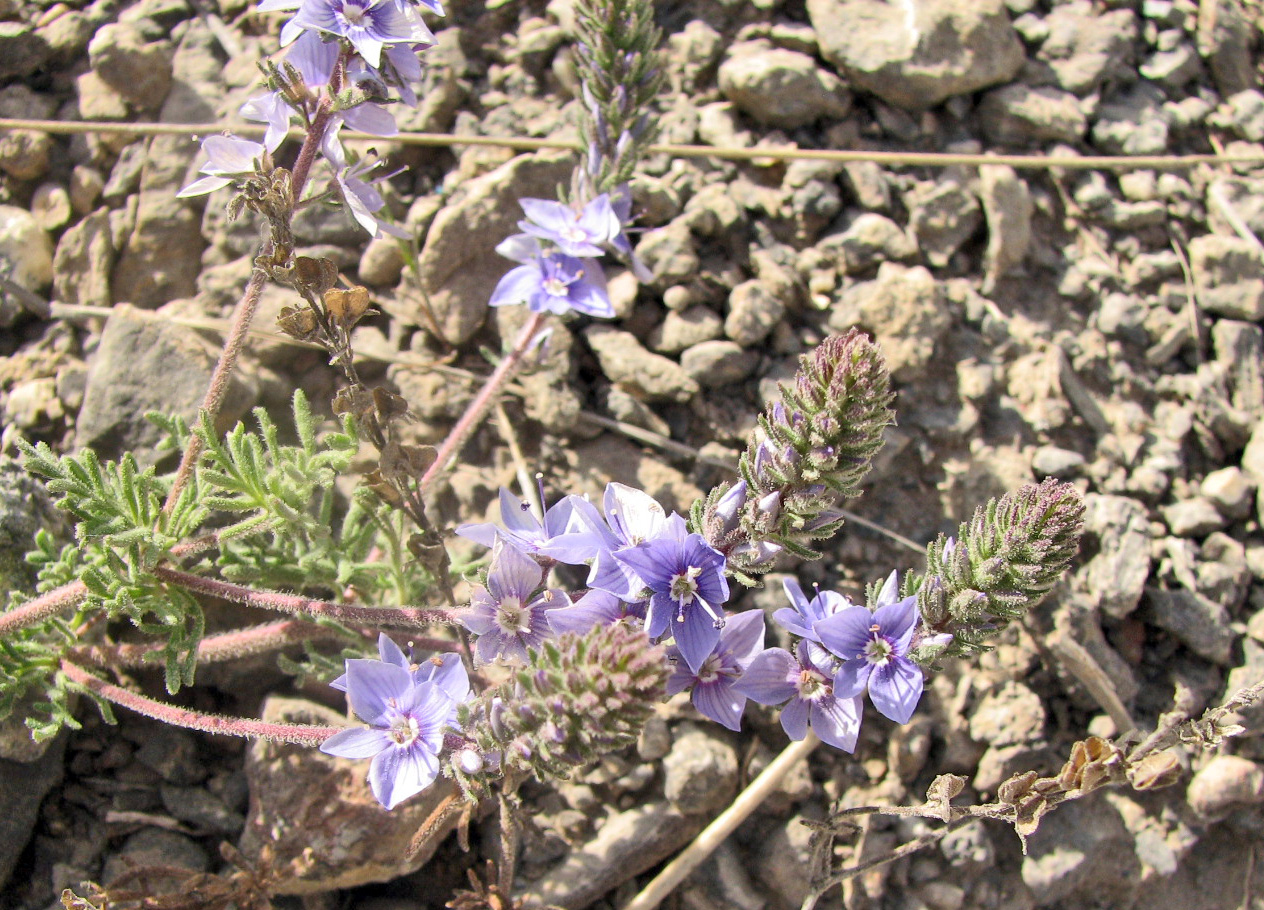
(405,734)
(572,531)
(595,608)
(575,233)
(633,517)
(369,25)
(798,620)
(228,159)
(714,695)
(874,648)
(363,200)
(503,615)
(445,670)
(551,282)
(686,578)
(777,675)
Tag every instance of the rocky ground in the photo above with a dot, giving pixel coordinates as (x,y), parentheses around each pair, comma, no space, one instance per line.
(1098,326)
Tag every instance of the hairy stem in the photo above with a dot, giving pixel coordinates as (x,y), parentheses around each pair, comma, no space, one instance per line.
(213,649)
(483,401)
(41,608)
(299,734)
(245,314)
(218,387)
(388,617)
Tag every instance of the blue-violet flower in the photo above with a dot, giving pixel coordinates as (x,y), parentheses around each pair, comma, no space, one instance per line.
(686,578)
(777,675)
(714,695)
(405,734)
(874,648)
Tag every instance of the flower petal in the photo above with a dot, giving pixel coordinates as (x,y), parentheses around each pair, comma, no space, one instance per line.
(896,688)
(837,722)
(374,687)
(720,703)
(769,678)
(846,633)
(696,637)
(357,742)
(852,678)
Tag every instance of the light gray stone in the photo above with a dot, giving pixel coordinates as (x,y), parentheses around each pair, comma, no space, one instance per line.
(647,376)
(715,364)
(1225,783)
(1022,114)
(781,88)
(1117,529)
(906,310)
(1228,276)
(1087,45)
(753,312)
(943,216)
(143,364)
(26,253)
(916,56)
(83,260)
(1198,622)
(137,68)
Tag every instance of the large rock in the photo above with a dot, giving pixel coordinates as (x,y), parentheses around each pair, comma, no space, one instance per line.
(142,364)
(138,69)
(779,87)
(459,264)
(161,258)
(1021,114)
(1087,45)
(26,254)
(915,55)
(1117,531)
(22,788)
(318,816)
(22,52)
(645,375)
(1229,276)
(81,267)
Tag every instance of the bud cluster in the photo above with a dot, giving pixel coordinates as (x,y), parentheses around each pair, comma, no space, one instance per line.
(620,75)
(818,444)
(1001,564)
(578,697)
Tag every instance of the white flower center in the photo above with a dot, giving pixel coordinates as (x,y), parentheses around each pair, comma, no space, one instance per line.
(879,650)
(574,232)
(555,287)
(353,12)
(404,731)
(512,617)
(812,684)
(684,586)
(711,670)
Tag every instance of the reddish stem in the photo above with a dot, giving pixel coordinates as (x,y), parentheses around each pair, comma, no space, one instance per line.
(478,408)
(299,734)
(41,608)
(388,617)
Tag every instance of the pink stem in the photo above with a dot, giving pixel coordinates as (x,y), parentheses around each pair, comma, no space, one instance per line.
(299,734)
(482,402)
(389,617)
(41,608)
